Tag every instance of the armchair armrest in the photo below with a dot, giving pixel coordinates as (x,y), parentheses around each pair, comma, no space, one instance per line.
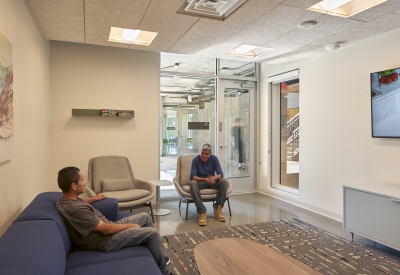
(109,208)
(89,192)
(141,184)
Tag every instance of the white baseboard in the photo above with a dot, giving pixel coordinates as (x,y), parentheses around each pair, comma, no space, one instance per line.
(291,199)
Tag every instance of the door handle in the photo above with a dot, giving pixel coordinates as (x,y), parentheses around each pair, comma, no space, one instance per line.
(222,147)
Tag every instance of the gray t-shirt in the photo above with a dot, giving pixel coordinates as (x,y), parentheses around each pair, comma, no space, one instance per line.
(80,218)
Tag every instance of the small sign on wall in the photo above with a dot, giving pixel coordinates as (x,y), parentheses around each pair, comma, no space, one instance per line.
(170,128)
(198,125)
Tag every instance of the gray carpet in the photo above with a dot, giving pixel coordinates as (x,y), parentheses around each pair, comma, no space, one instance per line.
(319,249)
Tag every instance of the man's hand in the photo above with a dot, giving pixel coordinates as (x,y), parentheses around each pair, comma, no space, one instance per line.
(113,228)
(211,179)
(100,197)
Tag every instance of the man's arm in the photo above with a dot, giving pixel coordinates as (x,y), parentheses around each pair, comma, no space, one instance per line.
(112,228)
(98,197)
(198,179)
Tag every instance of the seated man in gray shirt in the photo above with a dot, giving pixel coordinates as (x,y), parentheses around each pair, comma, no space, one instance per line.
(206,173)
(90,230)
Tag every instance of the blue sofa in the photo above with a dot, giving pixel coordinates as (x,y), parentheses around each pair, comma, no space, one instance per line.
(37,243)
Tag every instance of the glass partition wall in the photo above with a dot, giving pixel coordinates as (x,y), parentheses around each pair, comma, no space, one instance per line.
(207,100)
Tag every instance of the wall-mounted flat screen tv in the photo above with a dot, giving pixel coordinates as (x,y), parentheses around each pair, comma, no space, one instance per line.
(385,104)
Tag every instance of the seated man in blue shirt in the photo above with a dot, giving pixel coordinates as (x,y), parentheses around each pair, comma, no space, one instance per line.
(202,176)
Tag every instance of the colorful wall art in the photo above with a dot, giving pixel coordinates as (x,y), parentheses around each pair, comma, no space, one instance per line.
(6,100)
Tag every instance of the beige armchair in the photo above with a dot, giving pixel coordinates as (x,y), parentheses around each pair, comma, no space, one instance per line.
(113,176)
(182,179)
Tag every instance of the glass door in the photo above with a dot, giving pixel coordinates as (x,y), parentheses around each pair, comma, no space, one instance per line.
(286,135)
(185,133)
(236,133)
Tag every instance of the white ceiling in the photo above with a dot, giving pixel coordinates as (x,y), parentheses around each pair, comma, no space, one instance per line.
(265,23)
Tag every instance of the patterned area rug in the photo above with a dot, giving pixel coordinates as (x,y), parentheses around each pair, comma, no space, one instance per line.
(319,249)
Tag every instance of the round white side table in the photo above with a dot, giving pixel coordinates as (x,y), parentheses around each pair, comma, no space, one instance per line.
(158,183)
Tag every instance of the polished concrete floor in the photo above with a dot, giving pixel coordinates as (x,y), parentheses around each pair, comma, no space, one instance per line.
(252,208)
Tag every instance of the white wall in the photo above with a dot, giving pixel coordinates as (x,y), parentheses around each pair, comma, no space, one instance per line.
(26,174)
(335,107)
(96,77)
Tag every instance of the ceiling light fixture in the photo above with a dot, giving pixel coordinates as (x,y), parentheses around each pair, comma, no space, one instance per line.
(344,8)
(249,51)
(330,5)
(244,49)
(130,36)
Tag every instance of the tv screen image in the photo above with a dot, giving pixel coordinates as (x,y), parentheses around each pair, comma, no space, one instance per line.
(385,103)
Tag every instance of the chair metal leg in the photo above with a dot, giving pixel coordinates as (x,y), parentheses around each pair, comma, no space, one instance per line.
(229,206)
(151,211)
(180,203)
(187,207)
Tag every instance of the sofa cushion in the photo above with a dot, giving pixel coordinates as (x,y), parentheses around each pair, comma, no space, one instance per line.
(144,265)
(116,185)
(128,195)
(43,207)
(79,257)
(32,248)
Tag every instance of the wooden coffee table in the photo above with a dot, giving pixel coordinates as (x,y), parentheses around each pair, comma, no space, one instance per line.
(241,256)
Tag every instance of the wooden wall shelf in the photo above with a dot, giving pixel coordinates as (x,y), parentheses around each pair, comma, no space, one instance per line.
(97,112)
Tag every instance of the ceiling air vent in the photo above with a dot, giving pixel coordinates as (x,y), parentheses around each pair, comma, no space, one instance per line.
(216,9)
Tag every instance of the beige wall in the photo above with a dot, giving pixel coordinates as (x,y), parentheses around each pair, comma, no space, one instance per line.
(26,175)
(335,109)
(95,77)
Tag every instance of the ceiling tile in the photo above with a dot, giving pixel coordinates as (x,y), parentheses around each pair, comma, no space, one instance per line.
(368,29)
(101,15)
(302,4)
(326,26)
(210,32)
(58,20)
(170,26)
(378,11)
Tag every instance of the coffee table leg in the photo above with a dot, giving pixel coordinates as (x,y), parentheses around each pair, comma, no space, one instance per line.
(158,211)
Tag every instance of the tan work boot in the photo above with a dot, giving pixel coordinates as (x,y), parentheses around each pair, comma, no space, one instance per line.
(218,213)
(202,219)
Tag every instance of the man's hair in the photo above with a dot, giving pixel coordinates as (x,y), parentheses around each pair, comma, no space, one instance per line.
(206,146)
(237,119)
(66,177)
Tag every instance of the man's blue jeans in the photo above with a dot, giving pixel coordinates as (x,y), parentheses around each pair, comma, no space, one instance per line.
(195,187)
(146,234)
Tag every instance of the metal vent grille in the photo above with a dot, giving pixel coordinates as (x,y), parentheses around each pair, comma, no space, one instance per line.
(216,9)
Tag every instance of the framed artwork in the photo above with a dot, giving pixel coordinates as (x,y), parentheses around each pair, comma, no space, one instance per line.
(6,100)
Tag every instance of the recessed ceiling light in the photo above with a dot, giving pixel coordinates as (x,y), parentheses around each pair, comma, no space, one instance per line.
(130,36)
(249,51)
(344,8)
(216,9)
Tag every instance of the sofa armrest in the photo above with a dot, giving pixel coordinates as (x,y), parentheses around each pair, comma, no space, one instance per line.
(108,207)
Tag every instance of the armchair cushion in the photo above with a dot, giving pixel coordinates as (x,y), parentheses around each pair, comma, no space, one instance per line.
(127,195)
(116,185)
(185,166)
